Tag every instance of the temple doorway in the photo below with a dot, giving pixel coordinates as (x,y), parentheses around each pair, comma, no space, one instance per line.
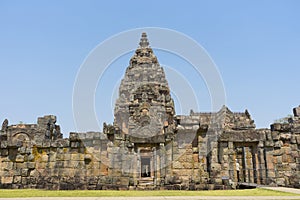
(246,162)
(145,167)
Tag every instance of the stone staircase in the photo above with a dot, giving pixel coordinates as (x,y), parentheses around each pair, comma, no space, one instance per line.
(146,184)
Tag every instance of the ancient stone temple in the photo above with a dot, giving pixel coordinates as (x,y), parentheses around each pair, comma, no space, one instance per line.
(148,146)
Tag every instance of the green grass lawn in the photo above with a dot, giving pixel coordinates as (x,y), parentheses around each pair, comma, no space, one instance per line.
(112,193)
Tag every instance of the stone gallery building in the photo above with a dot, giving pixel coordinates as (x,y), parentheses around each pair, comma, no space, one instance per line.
(149,147)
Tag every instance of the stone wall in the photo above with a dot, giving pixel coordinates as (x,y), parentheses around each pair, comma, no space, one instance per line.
(29,158)
(285,157)
(71,163)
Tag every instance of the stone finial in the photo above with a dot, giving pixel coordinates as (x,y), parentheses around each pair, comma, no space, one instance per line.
(247,114)
(4,125)
(143,54)
(144,41)
(296,111)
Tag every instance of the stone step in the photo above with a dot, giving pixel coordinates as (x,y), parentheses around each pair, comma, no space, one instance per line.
(145,187)
(146,181)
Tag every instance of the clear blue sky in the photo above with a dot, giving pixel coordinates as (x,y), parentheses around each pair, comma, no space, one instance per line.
(255,44)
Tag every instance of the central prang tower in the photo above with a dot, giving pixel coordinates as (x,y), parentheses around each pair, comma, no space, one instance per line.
(144,111)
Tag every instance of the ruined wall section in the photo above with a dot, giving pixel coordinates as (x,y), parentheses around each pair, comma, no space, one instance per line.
(29,159)
(122,164)
(219,135)
(189,166)
(246,147)
(267,157)
(285,156)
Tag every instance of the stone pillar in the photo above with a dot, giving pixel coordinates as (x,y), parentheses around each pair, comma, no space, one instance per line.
(215,166)
(162,161)
(244,165)
(158,168)
(202,145)
(249,165)
(135,169)
(169,160)
(154,164)
(231,162)
(261,166)
(202,157)
(255,164)
(270,170)
(138,164)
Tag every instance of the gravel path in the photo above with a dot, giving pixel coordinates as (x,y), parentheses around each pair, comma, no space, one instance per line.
(283,189)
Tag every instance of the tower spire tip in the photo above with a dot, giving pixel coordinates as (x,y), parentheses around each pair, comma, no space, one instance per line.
(144,41)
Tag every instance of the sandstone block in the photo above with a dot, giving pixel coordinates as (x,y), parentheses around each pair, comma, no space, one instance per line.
(278,152)
(59,157)
(124,181)
(7,166)
(187,165)
(295,154)
(51,165)
(81,157)
(189,158)
(46,144)
(293,139)
(52,157)
(19,159)
(195,158)
(7,180)
(17,179)
(30,157)
(216,166)
(75,157)
(275,135)
(24,181)
(24,172)
(3,144)
(91,172)
(278,160)
(296,111)
(280,181)
(67,157)
(41,165)
(271,174)
(293,166)
(278,144)
(4,152)
(287,150)
(44,158)
(73,136)
(298,139)
(21,165)
(294,147)
(17,172)
(103,169)
(177,165)
(269,143)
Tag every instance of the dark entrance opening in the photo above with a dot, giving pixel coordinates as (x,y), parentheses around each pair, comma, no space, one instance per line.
(145,167)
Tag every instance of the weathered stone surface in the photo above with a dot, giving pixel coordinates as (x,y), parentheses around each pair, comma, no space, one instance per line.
(148,147)
(296,111)
(20,159)
(6,180)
